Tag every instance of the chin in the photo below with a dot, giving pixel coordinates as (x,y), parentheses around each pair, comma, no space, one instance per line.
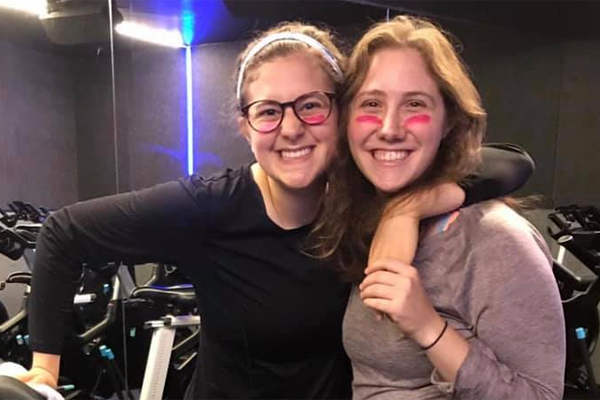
(388,189)
(299,183)
(388,186)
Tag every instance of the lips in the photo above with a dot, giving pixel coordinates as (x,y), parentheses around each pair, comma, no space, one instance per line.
(390,155)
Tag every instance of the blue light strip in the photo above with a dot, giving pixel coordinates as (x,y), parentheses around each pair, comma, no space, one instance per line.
(190,111)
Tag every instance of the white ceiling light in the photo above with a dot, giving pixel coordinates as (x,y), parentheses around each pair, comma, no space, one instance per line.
(37,7)
(164,37)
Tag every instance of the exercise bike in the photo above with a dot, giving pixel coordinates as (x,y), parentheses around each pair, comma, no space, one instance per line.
(579,233)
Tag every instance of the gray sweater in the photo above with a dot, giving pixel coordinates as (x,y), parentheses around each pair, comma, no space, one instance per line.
(490,276)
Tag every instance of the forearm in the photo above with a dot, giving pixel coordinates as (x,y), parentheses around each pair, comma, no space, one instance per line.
(475,372)
(449,351)
(396,237)
(56,273)
(133,227)
(505,168)
(483,376)
(397,234)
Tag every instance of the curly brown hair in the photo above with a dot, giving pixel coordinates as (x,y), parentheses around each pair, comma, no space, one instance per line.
(352,207)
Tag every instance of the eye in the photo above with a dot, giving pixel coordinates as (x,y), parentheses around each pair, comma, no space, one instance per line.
(311,102)
(312,105)
(370,104)
(267,112)
(415,103)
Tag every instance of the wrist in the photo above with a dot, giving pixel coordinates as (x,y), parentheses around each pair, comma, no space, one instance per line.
(46,362)
(51,377)
(430,333)
(400,209)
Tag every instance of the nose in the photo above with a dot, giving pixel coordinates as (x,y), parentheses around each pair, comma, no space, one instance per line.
(291,127)
(392,128)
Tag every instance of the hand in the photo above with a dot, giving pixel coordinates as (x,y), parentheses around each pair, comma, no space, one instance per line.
(39,375)
(428,202)
(394,288)
(45,369)
(385,243)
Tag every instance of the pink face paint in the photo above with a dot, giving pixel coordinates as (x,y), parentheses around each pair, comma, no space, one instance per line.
(417,119)
(314,119)
(369,119)
(266,126)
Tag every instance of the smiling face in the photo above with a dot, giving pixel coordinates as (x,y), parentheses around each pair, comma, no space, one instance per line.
(396,120)
(295,155)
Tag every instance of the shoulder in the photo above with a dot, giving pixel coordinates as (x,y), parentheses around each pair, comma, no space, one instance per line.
(493,220)
(498,235)
(223,184)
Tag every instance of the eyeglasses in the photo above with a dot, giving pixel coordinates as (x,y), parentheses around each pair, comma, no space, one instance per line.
(265,116)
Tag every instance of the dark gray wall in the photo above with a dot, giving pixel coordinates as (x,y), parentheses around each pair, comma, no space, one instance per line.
(218,141)
(152,145)
(537,90)
(519,75)
(38,156)
(38,152)
(94,123)
(151,117)
(577,175)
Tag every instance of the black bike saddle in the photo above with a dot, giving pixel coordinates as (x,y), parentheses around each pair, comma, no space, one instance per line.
(14,389)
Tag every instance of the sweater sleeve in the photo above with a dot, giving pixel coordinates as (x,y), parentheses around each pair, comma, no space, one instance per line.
(147,225)
(505,168)
(518,351)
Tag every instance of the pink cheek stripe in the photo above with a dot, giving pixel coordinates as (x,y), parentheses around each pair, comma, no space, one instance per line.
(314,119)
(417,119)
(369,119)
(267,126)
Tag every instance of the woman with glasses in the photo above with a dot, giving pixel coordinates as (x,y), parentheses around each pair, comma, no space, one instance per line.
(271,315)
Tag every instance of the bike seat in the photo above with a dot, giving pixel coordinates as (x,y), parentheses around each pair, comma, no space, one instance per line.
(13,389)
(176,294)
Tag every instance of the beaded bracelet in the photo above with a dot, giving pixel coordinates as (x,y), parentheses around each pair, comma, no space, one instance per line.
(438,338)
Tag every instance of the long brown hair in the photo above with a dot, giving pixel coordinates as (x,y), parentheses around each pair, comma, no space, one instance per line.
(352,207)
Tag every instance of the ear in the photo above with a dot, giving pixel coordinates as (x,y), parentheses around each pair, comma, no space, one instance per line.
(447,130)
(448,126)
(243,128)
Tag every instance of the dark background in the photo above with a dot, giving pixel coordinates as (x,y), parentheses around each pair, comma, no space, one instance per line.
(536,64)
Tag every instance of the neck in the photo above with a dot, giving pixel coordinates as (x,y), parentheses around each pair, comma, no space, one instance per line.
(286,207)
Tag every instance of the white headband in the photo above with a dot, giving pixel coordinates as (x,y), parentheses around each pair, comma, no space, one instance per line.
(288,36)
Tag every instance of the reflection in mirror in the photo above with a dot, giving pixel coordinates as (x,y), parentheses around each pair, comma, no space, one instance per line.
(52,76)
(55,149)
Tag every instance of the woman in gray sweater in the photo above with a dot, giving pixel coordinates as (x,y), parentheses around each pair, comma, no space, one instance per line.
(477,315)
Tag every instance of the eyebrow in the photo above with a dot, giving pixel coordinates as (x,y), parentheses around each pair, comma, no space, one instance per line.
(381,93)
(372,92)
(420,93)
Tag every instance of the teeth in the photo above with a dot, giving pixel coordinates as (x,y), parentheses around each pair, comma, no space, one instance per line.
(295,153)
(387,155)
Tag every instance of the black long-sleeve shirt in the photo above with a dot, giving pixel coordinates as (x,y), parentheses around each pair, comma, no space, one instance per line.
(271,316)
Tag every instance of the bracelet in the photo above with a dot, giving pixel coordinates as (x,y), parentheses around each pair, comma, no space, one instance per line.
(45,369)
(438,338)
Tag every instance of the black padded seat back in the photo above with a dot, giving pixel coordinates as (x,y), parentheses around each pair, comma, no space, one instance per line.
(14,389)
